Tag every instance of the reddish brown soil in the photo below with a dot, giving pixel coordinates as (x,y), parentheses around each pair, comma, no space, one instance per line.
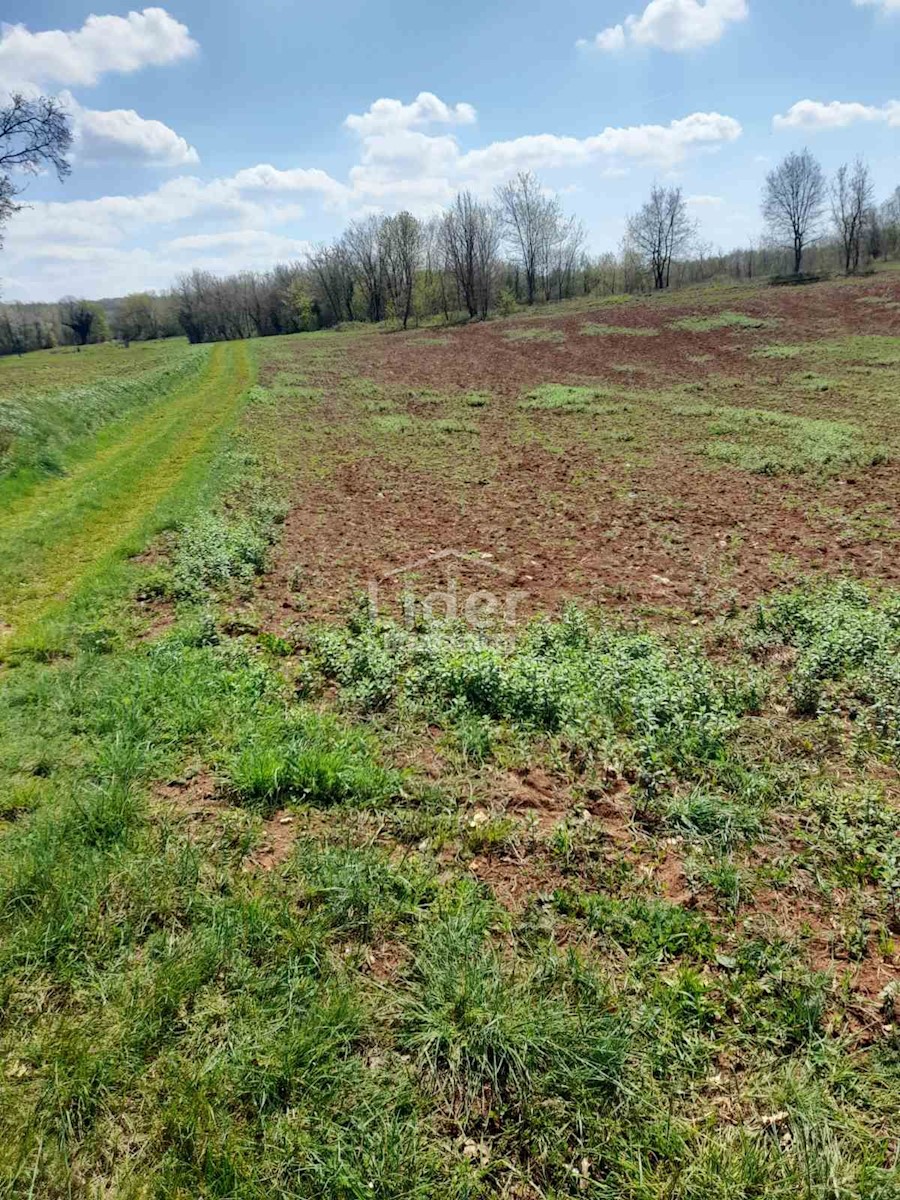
(666,529)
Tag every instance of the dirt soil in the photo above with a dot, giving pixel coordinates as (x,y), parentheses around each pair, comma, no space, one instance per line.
(547,515)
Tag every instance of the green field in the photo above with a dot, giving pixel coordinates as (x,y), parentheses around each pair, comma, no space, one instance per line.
(303,897)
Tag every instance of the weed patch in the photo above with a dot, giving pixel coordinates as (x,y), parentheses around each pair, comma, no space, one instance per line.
(531,334)
(716,321)
(776,443)
(592,330)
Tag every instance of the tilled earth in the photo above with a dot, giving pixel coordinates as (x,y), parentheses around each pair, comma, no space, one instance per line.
(405,480)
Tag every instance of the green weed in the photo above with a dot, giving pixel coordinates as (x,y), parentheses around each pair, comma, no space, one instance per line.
(593,330)
(716,321)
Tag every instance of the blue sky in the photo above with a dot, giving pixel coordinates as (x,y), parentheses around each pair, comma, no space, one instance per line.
(233,135)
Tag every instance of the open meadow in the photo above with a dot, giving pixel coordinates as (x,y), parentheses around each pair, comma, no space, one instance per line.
(457,763)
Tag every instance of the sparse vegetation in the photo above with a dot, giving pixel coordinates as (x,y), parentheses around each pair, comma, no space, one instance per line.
(596,893)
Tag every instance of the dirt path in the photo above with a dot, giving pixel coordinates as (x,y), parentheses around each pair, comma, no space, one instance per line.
(57,537)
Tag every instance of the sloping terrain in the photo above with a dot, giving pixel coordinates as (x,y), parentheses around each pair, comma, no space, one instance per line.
(465,764)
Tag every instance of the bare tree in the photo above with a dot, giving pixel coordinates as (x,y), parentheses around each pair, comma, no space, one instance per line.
(332,268)
(530,221)
(362,242)
(793,201)
(660,232)
(889,215)
(569,252)
(470,239)
(400,241)
(33,133)
(852,194)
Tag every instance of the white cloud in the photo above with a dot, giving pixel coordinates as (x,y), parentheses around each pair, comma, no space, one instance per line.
(266,179)
(101,45)
(235,250)
(120,135)
(673,25)
(836,114)
(610,40)
(387,116)
(886,6)
(32,62)
(658,145)
(241,218)
(704,201)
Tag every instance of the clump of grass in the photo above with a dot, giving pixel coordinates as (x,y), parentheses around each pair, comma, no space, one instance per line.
(653,928)
(565,398)
(775,443)
(357,892)
(477,399)
(473,1022)
(454,425)
(723,320)
(812,381)
(309,759)
(780,351)
(593,330)
(704,815)
(532,334)
(392,423)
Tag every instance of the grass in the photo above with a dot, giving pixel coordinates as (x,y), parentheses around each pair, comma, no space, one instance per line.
(716,321)
(774,443)
(593,330)
(566,398)
(57,539)
(871,349)
(327,904)
(531,334)
(52,404)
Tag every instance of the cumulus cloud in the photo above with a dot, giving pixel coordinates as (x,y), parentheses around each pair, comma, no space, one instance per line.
(120,135)
(266,179)
(406,158)
(104,44)
(657,145)
(400,164)
(32,62)
(673,25)
(387,116)
(816,115)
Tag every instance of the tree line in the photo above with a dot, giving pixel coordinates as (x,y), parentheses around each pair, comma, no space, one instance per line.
(479,257)
(484,256)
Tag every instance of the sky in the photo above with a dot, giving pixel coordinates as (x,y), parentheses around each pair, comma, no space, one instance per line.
(235,135)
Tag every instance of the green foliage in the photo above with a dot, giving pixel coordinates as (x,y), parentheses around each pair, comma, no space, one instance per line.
(587,683)
(306,758)
(653,929)
(507,304)
(844,635)
(216,551)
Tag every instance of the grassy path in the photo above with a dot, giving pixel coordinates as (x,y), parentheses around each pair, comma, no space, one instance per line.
(57,537)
